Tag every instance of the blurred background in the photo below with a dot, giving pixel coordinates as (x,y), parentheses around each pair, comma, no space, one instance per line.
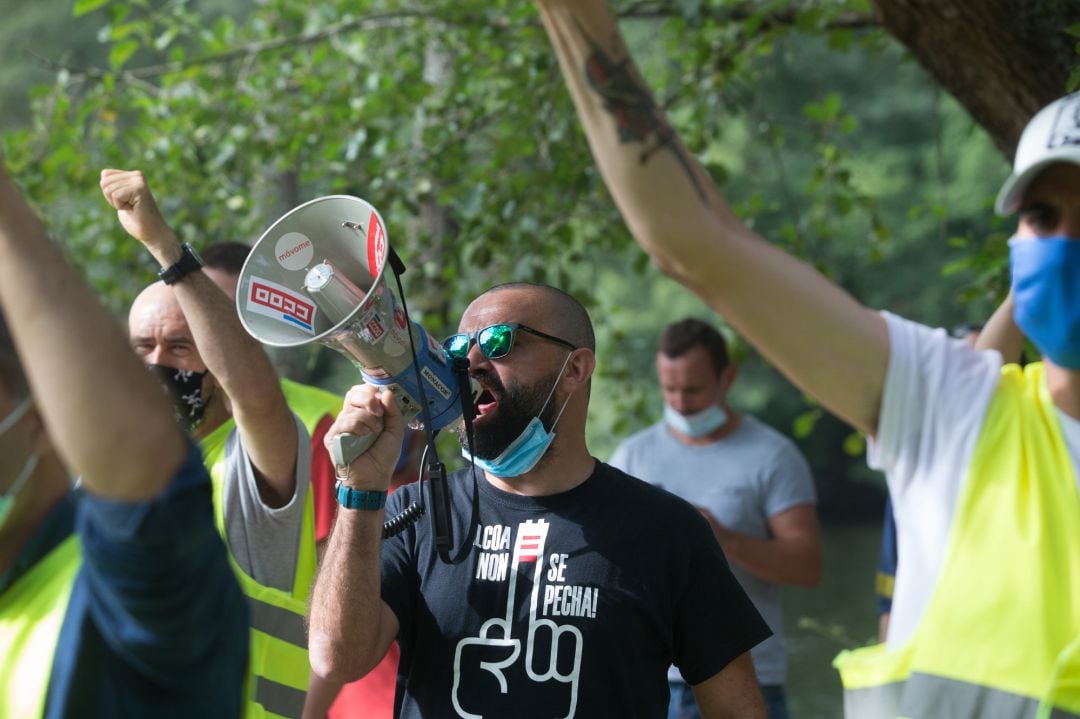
(847,132)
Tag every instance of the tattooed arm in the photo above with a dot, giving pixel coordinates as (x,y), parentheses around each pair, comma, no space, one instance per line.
(828,344)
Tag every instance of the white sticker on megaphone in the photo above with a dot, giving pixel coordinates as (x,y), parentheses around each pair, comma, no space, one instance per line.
(279,302)
(294,251)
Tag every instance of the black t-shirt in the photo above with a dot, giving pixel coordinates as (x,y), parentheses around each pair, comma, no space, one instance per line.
(571,605)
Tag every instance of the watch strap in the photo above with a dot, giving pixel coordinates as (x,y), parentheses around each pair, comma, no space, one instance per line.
(189,262)
(359,498)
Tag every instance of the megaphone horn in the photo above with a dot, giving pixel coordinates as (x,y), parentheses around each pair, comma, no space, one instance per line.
(319,274)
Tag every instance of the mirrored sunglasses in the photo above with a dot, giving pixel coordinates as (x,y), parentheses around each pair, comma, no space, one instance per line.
(495,341)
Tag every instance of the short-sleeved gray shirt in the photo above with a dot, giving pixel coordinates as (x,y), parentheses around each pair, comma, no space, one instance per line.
(264,541)
(743,479)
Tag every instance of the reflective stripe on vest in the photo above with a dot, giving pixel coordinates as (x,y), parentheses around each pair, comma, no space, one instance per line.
(279,667)
(32,611)
(998,639)
(924,695)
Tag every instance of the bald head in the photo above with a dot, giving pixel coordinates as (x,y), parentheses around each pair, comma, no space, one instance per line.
(154,299)
(159,331)
(546,308)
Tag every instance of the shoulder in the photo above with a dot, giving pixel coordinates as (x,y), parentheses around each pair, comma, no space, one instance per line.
(764,433)
(629,495)
(642,440)
(779,447)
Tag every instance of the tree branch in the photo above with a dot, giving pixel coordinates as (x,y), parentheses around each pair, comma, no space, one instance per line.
(787,17)
(640,10)
(394,19)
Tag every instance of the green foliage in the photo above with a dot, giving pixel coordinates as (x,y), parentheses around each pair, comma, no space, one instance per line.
(450,116)
(1074,76)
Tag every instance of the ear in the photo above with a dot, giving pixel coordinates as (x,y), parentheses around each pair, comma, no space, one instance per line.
(727,377)
(579,369)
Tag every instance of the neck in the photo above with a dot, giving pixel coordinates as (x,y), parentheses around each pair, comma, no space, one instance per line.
(217,413)
(47,486)
(1064,386)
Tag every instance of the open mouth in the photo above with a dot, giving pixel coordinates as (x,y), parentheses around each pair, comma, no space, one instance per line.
(485,403)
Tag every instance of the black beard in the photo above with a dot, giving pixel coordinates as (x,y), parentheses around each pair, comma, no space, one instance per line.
(517,407)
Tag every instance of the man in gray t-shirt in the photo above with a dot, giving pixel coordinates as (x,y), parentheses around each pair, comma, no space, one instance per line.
(750,482)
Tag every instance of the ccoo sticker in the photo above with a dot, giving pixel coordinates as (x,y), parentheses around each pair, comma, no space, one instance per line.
(280,303)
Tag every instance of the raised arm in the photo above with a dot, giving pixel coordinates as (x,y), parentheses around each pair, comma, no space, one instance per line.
(350,626)
(79,366)
(239,363)
(828,344)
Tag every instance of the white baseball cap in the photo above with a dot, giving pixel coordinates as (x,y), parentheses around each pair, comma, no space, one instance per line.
(1053,135)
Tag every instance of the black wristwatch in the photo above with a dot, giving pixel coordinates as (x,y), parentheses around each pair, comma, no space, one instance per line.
(189,262)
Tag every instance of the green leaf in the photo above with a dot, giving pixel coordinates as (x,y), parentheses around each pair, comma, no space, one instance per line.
(855,444)
(82,7)
(121,52)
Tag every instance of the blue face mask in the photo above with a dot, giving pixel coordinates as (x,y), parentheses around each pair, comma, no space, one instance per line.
(1046,293)
(7,500)
(521,455)
(696,425)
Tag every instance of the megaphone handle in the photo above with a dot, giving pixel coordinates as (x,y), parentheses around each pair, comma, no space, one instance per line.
(344,448)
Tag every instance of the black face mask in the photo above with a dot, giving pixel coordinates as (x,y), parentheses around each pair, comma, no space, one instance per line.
(185,389)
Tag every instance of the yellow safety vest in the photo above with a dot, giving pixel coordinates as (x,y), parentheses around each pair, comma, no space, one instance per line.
(278,673)
(1000,637)
(32,611)
(309,403)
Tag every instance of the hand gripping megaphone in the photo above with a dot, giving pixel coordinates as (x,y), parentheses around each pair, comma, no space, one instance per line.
(319,274)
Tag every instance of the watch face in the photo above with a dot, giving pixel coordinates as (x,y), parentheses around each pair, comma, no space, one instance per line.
(188,249)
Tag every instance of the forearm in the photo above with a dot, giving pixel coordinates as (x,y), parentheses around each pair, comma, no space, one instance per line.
(781,305)
(321,694)
(236,361)
(346,606)
(779,560)
(127,454)
(1002,334)
(239,363)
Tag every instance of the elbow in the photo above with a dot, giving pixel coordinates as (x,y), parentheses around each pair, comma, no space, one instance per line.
(333,662)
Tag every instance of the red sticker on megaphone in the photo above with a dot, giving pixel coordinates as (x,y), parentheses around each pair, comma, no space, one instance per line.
(376,245)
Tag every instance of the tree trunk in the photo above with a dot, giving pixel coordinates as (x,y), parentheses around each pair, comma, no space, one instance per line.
(1003,60)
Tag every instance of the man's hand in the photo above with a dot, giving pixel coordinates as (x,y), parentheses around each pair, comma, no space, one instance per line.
(723,534)
(371,410)
(129,194)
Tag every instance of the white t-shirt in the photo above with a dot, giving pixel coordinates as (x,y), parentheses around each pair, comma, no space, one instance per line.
(937,391)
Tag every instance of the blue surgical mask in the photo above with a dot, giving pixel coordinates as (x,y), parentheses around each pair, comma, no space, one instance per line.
(1046,295)
(699,424)
(7,500)
(521,455)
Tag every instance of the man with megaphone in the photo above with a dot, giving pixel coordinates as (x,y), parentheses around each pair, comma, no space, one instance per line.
(226,392)
(574,585)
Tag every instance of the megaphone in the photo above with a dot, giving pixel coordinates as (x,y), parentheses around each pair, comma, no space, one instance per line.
(320,274)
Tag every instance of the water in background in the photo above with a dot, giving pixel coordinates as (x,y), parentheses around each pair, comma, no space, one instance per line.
(837,614)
